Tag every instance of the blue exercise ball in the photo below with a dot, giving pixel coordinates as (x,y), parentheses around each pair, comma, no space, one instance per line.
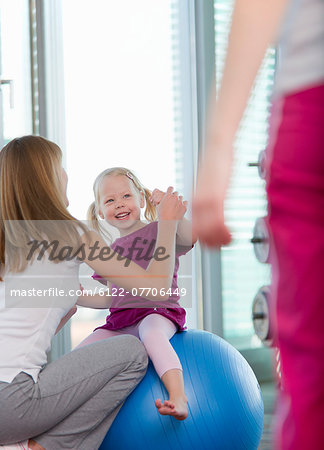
(224,400)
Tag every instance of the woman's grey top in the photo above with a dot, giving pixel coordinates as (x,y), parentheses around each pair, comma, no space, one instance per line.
(301,47)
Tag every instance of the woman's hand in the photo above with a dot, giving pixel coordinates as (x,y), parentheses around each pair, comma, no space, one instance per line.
(171,206)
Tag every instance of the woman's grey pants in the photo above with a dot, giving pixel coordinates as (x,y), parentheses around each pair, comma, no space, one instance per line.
(76,397)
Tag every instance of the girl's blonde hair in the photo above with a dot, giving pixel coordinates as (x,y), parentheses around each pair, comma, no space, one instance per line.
(93,210)
(31,191)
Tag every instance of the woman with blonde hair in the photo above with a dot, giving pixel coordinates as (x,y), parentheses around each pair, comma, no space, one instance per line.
(71,402)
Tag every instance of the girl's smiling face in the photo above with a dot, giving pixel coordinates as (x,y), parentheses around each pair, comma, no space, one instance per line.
(120,203)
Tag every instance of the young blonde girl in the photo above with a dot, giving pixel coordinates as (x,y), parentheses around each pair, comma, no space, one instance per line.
(119,198)
(71,402)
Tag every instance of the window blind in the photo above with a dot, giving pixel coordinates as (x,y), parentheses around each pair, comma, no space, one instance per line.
(242,273)
(176,97)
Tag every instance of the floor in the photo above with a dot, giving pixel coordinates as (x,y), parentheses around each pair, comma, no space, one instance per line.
(268,393)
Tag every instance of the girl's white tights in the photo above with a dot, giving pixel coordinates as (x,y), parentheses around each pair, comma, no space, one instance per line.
(154,331)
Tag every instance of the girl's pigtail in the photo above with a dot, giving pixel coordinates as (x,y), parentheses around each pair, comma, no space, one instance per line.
(92,217)
(95,223)
(150,213)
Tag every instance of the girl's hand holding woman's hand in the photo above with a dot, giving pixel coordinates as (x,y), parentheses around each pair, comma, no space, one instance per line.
(171,206)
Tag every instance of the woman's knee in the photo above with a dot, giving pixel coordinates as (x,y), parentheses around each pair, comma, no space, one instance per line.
(133,350)
(122,350)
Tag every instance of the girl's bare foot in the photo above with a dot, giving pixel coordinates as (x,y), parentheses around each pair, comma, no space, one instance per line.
(176,408)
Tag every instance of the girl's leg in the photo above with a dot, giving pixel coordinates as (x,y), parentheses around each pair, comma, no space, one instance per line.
(98,335)
(155,331)
(76,397)
(103,333)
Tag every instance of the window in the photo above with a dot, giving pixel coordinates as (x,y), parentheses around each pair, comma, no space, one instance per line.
(122,89)
(15,78)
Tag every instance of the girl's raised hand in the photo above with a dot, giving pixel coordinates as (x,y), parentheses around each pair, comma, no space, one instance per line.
(171,206)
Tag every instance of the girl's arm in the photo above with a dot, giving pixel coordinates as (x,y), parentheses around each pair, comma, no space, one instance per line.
(185,235)
(254,27)
(127,274)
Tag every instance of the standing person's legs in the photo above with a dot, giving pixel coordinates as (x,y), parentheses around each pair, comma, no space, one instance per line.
(296,218)
(76,397)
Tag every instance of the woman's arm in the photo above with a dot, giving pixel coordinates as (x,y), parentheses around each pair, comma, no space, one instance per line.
(185,233)
(127,274)
(96,301)
(254,27)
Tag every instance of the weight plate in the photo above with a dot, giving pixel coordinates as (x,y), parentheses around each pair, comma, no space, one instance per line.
(260,240)
(261,316)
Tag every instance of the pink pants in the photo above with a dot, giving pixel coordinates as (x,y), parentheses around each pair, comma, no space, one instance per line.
(295,188)
(154,331)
